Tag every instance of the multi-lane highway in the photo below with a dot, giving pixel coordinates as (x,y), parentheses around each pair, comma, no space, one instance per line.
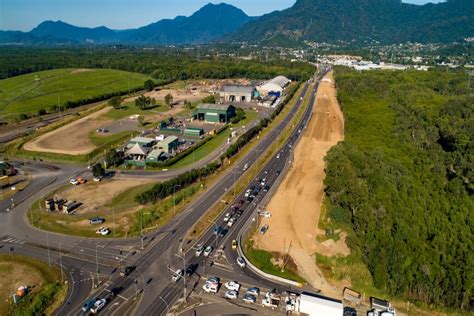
(151,277)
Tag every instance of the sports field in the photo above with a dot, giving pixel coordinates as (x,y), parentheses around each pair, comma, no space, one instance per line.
(43,90)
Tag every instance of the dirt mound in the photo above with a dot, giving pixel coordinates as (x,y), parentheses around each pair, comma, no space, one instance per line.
(297,203)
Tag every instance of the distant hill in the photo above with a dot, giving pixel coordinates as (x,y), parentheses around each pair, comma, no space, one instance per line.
(387,21)
(209,23)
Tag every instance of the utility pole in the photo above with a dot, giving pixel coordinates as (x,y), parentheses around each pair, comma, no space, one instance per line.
(61,264)
(183,256)
(97,263)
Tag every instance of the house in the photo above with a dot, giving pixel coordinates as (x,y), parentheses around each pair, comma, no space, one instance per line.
(237,93)
(214,113)
(274,87)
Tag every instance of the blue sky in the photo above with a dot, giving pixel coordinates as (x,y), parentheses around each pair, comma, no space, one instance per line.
(119,14)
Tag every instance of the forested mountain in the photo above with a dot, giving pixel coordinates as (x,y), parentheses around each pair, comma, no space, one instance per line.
(387,21)
(402,182)
(209,23)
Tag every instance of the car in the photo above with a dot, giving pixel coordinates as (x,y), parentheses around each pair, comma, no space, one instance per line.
(88,304)
(249,299)
(263,229)
(98,305)
(247,193)
(250,199)
(266,188)
(239,213)
(266,171)
(81,180)
(278,156)
(103,231)
(231,222)
(349,311)
(262,183)
(240,203)
(234,244)
(232,285)
(218,230)
(211,288)
(177,275)
(191,269)
(97,179)
(231,295)
(213,280)
(255,291)
(74,181)
(227,217)
(96,220)
(241,262)
(207,251)
(126,271)
(199,250)
(278,172)
(115,291)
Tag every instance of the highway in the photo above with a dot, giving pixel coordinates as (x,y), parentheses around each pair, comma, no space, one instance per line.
(151,279)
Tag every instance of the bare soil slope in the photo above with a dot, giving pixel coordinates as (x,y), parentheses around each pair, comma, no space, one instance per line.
(296,205)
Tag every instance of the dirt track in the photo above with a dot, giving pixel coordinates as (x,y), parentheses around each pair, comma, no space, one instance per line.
(71,139)
(297,203)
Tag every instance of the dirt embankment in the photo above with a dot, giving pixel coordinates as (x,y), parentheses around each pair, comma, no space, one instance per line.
(297,203)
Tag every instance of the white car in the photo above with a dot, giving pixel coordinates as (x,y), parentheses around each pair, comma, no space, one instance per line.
(74,181)
(211,287)
(97,179)
(231,222)
(227,217)
(103,231)
(98,305)
(199,250)
(278,156)
(207,251)
(232,285)
(231,295)
(248,192)
(241,262)
(177,275)
(266,214)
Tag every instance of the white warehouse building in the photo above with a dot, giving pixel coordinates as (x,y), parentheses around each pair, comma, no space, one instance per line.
(274,86)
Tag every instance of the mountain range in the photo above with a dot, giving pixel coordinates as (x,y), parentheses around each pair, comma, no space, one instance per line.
(386,21)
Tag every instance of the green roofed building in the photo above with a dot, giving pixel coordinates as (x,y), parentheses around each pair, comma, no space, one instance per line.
(193,132)
(214,113)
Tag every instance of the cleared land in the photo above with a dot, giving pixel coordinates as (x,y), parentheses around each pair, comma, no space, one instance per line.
(17,271)
(42,90)
(297,203)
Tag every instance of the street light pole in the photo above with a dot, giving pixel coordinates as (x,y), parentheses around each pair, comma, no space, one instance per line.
(174,197)
(184,274)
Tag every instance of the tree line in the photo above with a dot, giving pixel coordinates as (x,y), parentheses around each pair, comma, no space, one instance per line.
(402,181)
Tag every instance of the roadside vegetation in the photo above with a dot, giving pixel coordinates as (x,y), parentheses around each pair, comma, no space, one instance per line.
(401,186)
(46,294)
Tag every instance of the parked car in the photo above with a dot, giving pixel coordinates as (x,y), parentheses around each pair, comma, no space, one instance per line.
(218,230)
(234,244)
(98,305)
(247,193)
(241,262)
(88,304)
(349,311)
(231,295)
(207,251)
(266,214)
(227,217)
(239,212)
(97,179)
(278,156)
(177,275)
(232,285)
(263,229)
(249,299)
(74,181)
(213,280)
(97,220)
(103,231)
(266,188)
(199,250)
(253,291)
(231,222)
(211,288)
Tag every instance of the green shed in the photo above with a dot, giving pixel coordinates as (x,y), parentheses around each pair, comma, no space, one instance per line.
(193,132)
(214,113)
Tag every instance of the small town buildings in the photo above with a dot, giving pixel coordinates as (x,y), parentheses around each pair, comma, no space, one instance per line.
(214,113)
(142,141)
(168,145)
(274,87)
(193,132)
(237,93)
(156,155)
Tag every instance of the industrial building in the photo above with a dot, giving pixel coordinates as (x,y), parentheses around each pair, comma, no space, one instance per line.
(168,145)
(214,113)
(274,87)
(237,93)
(193,132)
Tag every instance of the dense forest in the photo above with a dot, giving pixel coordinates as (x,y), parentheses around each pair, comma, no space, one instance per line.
(164,65)
(402,181)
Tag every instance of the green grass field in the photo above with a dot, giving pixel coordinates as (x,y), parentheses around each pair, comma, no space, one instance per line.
(130,108)
(42,90)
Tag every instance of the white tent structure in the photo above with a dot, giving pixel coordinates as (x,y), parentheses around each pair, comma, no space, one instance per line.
(138,152)
(276,85)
